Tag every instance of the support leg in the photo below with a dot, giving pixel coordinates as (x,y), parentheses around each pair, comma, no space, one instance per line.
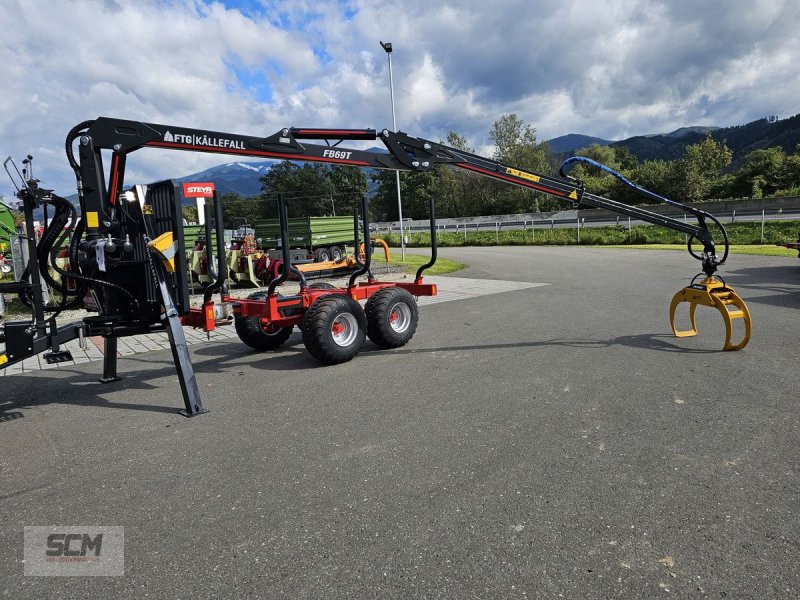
(109,359)
(183,365)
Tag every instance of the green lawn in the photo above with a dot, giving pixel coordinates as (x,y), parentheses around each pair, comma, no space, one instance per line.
(757,249)
(415,261)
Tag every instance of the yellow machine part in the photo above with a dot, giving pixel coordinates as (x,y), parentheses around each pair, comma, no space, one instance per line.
(164,246)
(346,262)
(715,294)
(248,275)
(386,253)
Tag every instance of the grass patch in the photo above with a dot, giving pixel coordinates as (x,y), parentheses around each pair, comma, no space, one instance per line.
(756,249)
(740,234)
(415,261)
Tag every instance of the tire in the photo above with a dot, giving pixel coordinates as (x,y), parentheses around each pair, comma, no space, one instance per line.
(334,329)
(322,255)
(318,285)
(251,332)
(335,253)
(392,317)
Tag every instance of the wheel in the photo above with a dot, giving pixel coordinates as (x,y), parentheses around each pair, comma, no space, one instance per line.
(321,285)
(334,329)
(322,255)
(335,253)
(252,333)
(392,317)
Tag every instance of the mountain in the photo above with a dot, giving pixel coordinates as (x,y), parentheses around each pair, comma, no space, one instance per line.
(694,129)
(567,144)
(241,178)
(244,178)
(741,139)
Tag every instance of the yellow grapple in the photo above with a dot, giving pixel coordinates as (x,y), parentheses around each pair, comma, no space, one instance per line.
(714,293)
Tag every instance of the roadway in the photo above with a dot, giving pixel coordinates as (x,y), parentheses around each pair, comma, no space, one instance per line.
(550,441)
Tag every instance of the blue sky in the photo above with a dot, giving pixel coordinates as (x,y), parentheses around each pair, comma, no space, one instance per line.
(611,69)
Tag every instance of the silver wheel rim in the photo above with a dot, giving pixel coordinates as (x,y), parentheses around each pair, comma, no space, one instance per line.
(344,329)
(400,317)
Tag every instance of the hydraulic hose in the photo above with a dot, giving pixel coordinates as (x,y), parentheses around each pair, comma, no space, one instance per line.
(701,215)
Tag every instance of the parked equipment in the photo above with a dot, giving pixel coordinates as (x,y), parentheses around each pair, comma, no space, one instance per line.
(791,245)
(324,238)
(126,258)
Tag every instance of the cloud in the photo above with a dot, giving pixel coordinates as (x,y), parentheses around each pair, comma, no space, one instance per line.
(612,69)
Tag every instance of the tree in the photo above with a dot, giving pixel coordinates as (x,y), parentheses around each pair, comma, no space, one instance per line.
(237,210)
(515,145)
(305,187)
(596,180)
(790,176)
(189,213)
(313,189)
(416,190)
(348,186)
(761,174)
(459,193)
(697,173)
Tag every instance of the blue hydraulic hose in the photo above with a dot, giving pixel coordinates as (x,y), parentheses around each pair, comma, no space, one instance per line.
(621,177)
(700,214)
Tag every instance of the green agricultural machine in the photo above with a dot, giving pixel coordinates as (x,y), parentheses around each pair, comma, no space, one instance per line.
(324,237)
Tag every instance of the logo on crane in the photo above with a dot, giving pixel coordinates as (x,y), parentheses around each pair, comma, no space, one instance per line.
(203,140)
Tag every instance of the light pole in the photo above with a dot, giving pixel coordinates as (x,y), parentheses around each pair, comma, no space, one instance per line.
(388,48)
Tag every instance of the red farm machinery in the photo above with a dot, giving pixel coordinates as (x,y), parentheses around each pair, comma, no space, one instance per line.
(127,268)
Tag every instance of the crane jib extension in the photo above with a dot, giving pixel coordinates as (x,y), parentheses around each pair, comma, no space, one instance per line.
(126,262)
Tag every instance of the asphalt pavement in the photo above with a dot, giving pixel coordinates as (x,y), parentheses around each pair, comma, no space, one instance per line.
(552,441)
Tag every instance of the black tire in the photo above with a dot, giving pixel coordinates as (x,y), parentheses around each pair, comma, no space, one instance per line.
(322,255)
(335,253)
(334,329)
(318,285)
(392,317)
(251,332)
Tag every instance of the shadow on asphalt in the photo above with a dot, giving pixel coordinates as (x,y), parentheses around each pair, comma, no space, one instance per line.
(651,341)
(782,282)
(82,388)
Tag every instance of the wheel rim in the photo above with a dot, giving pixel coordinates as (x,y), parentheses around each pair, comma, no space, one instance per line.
(344,329)
(270,329)
(400,317)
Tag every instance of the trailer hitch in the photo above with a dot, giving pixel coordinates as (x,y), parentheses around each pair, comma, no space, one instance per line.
(713,292)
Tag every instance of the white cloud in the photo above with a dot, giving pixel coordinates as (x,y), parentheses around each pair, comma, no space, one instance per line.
(612,69)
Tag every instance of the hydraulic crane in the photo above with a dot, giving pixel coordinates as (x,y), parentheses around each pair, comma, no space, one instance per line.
(125,266)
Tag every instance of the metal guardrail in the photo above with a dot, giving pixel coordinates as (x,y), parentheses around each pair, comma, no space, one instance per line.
(580,221)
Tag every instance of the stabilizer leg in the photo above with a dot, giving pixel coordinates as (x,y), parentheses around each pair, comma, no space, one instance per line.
(109,359)
(183,365)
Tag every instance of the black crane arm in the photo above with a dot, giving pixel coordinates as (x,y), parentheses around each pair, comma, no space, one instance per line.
(405,153)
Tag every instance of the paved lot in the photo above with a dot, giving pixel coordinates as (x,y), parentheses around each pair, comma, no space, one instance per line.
(550,441)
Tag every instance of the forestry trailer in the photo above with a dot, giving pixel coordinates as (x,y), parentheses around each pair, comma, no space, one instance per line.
(127,265)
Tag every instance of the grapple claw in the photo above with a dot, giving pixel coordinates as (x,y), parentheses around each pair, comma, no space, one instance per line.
(714,293)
